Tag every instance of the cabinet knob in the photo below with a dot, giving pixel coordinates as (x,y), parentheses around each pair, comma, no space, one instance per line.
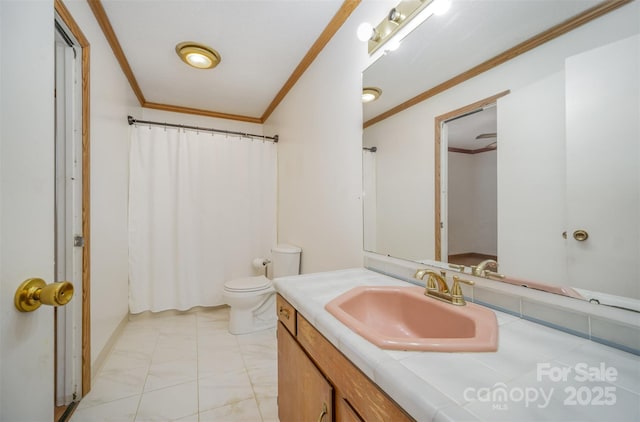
(284,312)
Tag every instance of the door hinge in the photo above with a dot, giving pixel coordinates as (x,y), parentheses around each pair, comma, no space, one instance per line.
(78,241)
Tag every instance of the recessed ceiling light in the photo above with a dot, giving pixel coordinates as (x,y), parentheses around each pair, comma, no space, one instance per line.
(198,55)
(370,94)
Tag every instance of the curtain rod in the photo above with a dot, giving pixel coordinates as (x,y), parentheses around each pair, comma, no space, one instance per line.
(132,121)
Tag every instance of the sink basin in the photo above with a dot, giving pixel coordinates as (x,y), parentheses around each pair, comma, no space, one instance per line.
(403,318)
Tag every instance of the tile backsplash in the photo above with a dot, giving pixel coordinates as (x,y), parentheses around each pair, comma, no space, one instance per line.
(612,327)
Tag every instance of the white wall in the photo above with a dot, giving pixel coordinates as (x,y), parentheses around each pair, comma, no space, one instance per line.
(485,198)
(460,220)
(111,101)
(404,191)
(320,153)
(415,126)
(201,121)
(472,203)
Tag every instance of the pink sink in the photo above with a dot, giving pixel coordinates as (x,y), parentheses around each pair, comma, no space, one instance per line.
(403,318)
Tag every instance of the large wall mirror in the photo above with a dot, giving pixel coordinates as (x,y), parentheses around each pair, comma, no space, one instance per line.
(533,162)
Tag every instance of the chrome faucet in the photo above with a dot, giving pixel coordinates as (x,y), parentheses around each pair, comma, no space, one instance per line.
(436,287)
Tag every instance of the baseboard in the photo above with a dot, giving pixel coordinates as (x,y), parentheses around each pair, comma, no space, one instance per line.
(102,356)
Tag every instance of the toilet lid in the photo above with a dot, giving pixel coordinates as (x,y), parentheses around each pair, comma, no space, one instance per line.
(249,284)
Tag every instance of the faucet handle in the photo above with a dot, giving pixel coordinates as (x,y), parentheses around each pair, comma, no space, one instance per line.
(457,298)
(460,268)
(457,280)
(491,274)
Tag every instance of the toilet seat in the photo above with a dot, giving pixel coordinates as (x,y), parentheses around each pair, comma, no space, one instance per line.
(248,284)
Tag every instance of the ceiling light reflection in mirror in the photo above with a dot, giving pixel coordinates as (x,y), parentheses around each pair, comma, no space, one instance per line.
(370,94)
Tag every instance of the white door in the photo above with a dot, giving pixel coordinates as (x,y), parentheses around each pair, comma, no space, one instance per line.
(603,179)
(531,188)
(26,206)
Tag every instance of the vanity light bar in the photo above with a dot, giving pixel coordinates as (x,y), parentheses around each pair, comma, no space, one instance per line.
(399,23)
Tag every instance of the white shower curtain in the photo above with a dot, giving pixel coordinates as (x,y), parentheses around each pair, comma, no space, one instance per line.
(201,207)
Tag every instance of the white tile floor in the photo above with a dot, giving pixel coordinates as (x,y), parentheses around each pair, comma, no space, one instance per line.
(185,367)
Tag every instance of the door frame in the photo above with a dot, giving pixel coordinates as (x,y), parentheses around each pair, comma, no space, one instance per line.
(66,17)
(438,123)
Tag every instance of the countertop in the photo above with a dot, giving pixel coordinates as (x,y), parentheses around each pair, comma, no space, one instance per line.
(537,374)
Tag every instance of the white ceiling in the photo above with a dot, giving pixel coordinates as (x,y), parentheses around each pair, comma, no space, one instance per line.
(261,43)
(471,32)
(462,132)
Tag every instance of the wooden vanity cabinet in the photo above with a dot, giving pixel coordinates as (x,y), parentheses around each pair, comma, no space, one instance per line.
(304,394)
(314,375)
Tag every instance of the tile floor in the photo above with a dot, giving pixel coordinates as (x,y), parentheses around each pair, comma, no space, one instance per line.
(185,367)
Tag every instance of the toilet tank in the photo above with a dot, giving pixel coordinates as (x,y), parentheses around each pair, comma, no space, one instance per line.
(286,260)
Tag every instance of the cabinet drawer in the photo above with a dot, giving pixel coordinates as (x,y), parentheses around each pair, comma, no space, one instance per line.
(286,314)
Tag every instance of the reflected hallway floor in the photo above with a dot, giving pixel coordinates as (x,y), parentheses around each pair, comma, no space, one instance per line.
(185,367)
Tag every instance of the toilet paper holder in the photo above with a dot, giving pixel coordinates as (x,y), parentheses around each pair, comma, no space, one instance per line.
(259,263)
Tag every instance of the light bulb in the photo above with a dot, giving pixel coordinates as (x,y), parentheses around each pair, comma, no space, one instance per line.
(198,60)
(392,45)
(366,97)
(370,94)
(365,31)
(440,7)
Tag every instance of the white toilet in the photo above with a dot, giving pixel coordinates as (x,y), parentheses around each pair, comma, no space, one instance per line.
(253,300)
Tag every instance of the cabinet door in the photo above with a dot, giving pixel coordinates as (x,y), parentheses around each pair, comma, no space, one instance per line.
(346,413)
(303,392)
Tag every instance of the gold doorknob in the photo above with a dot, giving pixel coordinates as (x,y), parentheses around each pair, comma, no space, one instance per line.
(34,292)
(580,235)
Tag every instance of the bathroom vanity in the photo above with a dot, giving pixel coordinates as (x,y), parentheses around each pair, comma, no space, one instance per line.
(328,372)
(316,380)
